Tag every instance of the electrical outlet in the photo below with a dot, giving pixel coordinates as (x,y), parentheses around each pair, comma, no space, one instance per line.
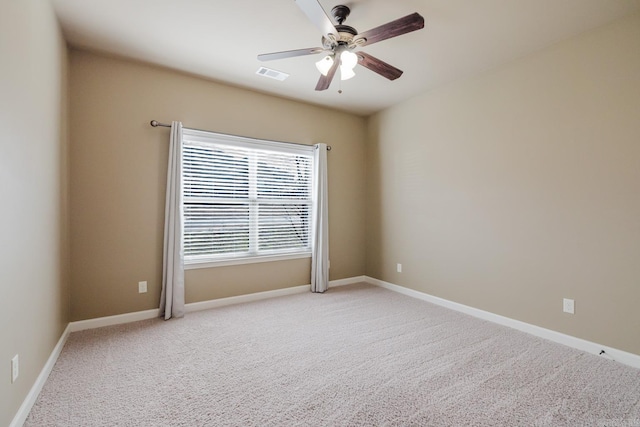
(142,287)
(15,368)
(568,305)
(399,268)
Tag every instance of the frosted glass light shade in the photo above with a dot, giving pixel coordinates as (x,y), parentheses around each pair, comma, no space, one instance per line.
(348,59)
(324,65)
(346,73)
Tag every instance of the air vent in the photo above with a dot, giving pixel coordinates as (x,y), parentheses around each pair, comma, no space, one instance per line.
(268,72)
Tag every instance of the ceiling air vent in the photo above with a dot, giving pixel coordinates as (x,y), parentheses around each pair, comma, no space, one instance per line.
(268,72)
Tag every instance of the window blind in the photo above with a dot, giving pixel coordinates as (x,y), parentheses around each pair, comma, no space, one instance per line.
(244,198)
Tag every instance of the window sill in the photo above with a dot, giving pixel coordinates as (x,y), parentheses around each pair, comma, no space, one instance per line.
(209,263)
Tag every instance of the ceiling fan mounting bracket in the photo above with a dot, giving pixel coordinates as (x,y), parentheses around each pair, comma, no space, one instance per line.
(340,13)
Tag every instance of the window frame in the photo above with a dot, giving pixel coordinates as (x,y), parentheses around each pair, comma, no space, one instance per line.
(205,138)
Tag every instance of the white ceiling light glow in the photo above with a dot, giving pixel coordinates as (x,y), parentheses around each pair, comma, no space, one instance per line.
(348,61)
(346,73)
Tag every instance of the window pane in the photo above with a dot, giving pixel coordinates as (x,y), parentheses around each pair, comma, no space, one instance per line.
(216,228)
(283,176)
(283,226)
(211,172)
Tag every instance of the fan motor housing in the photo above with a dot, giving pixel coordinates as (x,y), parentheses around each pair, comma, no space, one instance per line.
(345,32)
(346,29)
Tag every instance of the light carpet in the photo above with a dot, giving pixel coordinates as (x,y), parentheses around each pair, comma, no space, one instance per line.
(355,356)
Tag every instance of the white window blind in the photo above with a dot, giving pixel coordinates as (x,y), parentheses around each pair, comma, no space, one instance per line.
(245,198)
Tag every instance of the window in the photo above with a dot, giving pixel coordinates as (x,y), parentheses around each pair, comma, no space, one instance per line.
(245,200)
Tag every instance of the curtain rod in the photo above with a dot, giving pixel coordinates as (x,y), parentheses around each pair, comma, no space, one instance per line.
(156,123)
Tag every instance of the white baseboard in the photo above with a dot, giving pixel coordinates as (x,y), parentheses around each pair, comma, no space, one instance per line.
(221,302)
(118,319)
(568,340)
(32,396)
(348,281)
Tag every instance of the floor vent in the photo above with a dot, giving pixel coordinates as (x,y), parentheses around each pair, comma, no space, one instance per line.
(268,72)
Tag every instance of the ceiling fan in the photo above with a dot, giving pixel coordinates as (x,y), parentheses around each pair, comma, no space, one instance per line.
(340,41)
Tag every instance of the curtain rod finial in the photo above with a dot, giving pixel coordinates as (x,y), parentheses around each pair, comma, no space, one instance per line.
(154,123)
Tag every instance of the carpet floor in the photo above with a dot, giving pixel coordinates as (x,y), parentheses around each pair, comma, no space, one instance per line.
(357,355)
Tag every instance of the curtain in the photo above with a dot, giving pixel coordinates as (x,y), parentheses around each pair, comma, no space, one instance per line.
(172,296)
(320,231)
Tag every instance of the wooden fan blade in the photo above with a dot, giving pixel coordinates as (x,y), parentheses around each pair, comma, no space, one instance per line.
(395,28)
(378,66)
(325,81)
(317,15)
(289,53)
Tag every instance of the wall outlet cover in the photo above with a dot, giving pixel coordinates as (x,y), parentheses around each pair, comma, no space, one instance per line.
(142,287)
(568,306)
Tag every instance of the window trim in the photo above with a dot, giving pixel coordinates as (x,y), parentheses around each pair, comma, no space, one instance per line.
(205,137)
(207,262)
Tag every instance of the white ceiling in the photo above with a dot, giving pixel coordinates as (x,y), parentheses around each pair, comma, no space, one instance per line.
(220,39)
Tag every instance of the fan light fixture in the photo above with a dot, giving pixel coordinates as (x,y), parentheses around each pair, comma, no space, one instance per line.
(324,65)
(348,61)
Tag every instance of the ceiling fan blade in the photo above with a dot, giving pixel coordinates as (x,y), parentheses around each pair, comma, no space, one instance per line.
(289,53)
(378,66)
(325,81)
(395,28)
(317,15)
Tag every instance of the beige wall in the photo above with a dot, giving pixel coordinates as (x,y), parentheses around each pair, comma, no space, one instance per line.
(34,303)
(118,173)
(520,187)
